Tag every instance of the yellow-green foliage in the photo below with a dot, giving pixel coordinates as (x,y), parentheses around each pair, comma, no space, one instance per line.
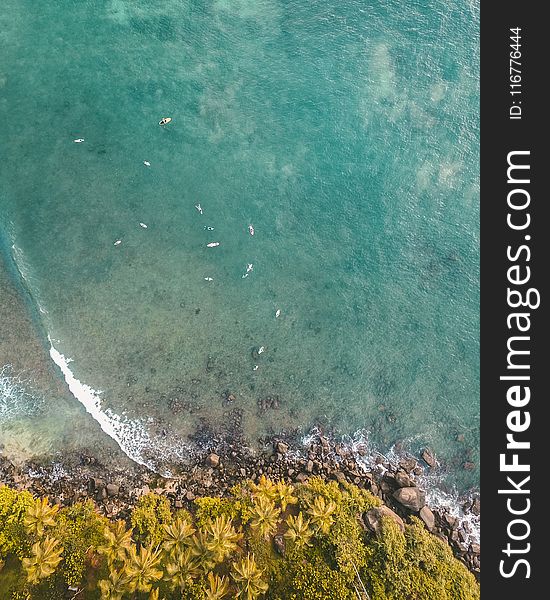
(305,575)
(148,517)
(221,549)
(80,530)
(415,564)
(13,509)
(207,509)
(238,508)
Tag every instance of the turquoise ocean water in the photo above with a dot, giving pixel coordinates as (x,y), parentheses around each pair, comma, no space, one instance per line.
(345,132)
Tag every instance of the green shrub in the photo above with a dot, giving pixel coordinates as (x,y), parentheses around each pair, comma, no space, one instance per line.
(13,535)
(79,529)
(149,515)
(304,575)
(415,564)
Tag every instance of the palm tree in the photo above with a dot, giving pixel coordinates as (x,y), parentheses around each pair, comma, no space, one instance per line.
(141,568)
(46,555)
(200,549)
(118,541)
(264,516)
(222,537)
(39,516)
(218,587)
(299,532)
(284,495)
(177,532)
(154,595)
(116,586)
(321,512)
(182,569)
(248,578)
(264,488)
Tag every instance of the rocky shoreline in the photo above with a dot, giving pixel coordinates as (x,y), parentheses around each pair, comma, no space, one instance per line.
(115,489)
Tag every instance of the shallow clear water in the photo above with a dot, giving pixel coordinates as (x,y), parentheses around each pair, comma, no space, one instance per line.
(346,133)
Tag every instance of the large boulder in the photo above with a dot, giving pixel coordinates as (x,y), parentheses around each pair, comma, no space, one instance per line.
(373,518)
(428,517)
(112,489)
(412,498)
(402,480)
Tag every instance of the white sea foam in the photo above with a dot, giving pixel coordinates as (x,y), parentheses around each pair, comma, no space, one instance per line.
(15,399)
(130,434)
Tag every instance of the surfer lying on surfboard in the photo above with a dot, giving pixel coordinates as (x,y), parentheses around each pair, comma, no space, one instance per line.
(165,120)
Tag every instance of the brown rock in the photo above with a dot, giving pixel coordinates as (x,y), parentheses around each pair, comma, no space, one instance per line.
(412,498)
(95,484)
(450,520)
(373,518)
(213,460)
(112,489)
(282,448)
(428,517)
(403,480)
(101,493)
(476,506)
(468,466)
(408,464)
(429,458)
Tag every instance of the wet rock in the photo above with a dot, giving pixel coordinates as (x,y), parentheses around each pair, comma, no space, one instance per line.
(412,498)
(408,464)
(429,458)
(428,517)
(282,448)
(213,460)
(450,520)
(373,518)
(468,466)
(474,548)
(341,451)
(476,506)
